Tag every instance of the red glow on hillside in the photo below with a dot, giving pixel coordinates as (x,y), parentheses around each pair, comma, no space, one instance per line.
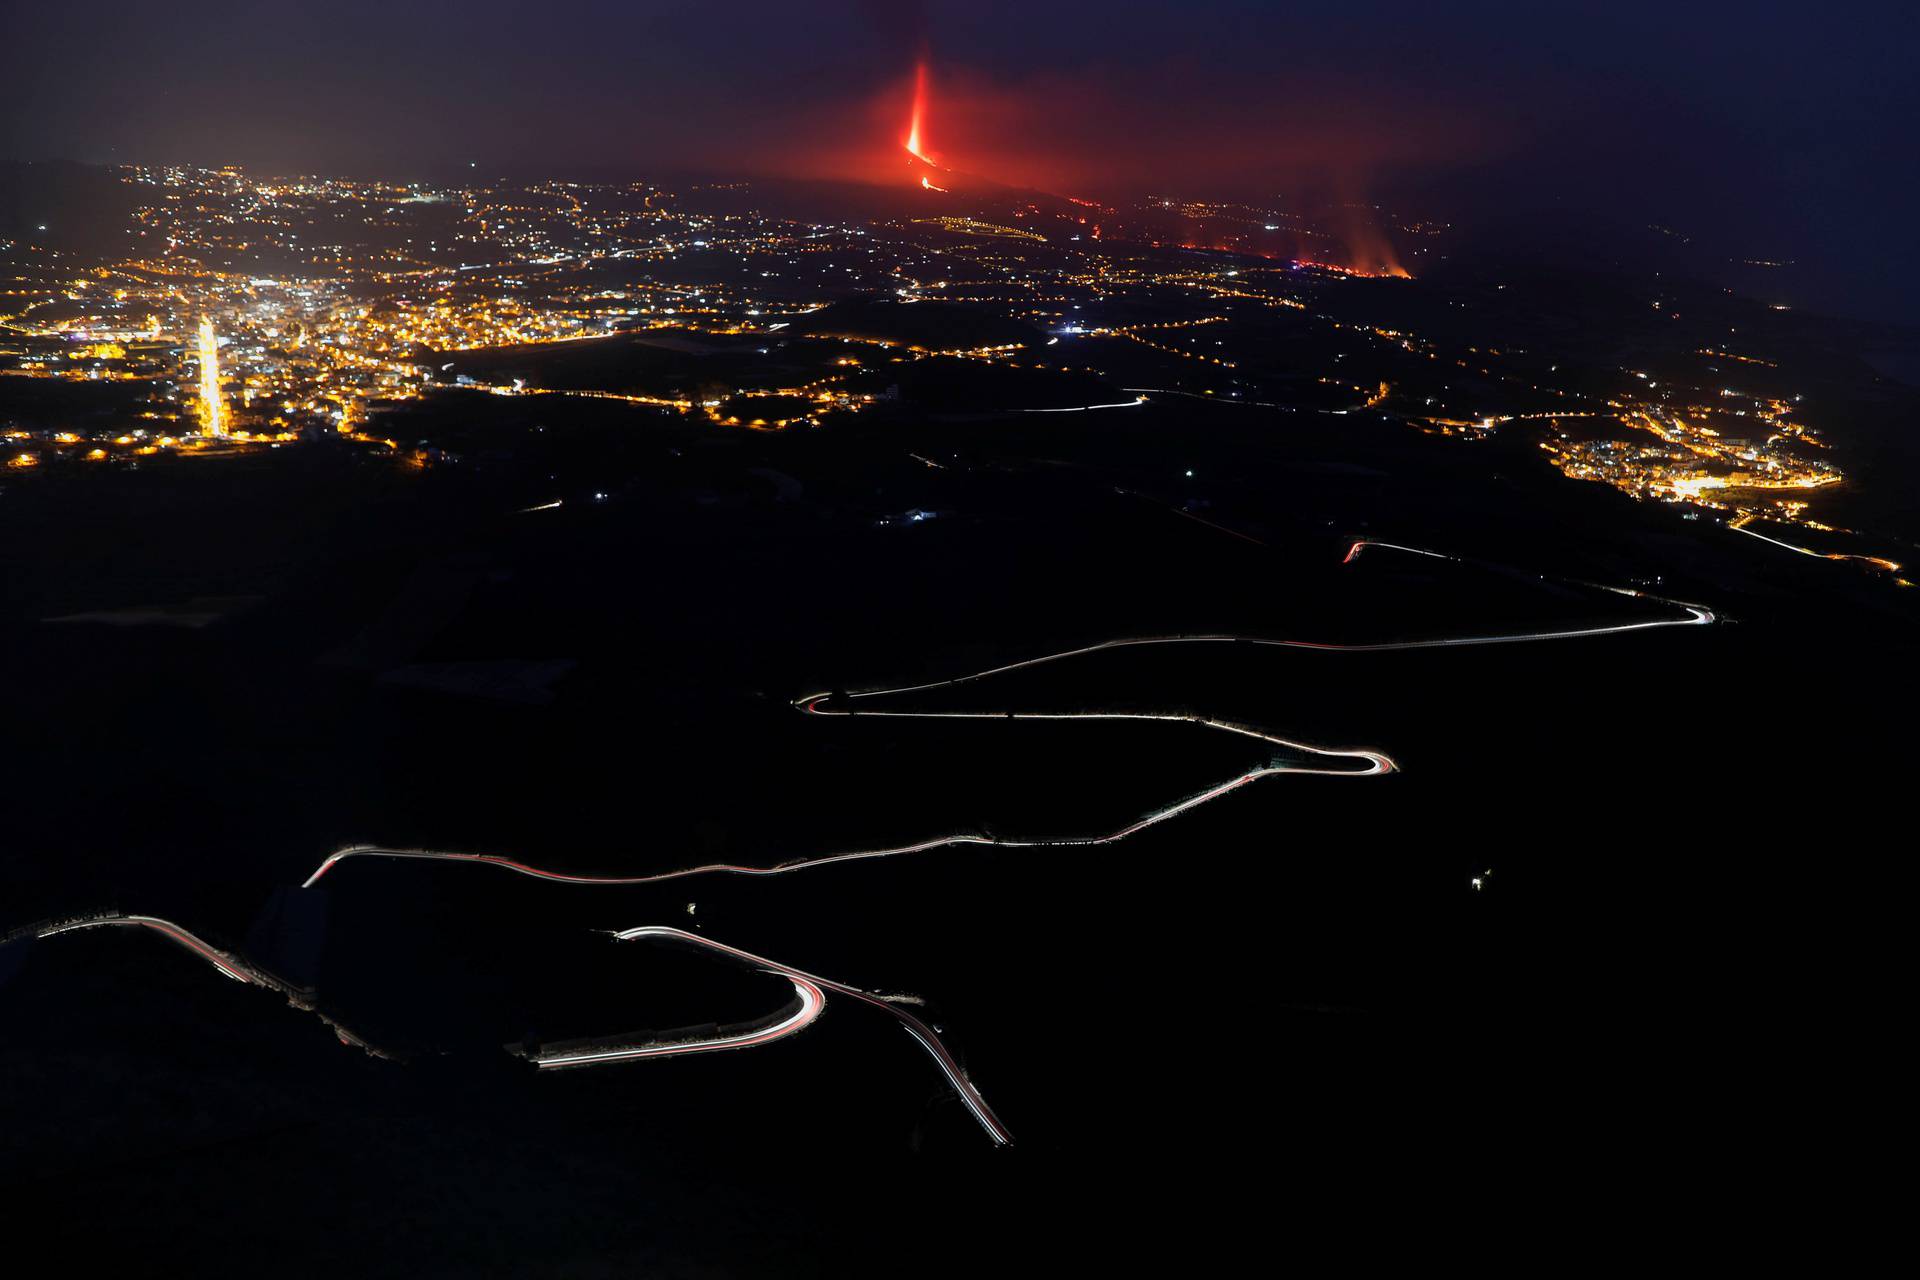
(1069,135)
(1076,132)
(1370,250)
(1387,271)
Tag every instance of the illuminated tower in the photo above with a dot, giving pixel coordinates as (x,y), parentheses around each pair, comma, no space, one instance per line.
(213,410)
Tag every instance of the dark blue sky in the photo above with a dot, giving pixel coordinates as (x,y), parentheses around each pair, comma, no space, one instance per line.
(1782,129)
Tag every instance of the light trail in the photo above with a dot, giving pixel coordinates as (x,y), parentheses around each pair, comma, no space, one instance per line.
(1878,562)
(1697,616)
(1373,763)
(1088,408)
(810,990)
(1188,515)
(812,1002)
(231,965)
(1210,398)
(1353,552)
(812,987)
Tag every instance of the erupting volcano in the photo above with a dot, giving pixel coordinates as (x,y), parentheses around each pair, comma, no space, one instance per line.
(1348,240)
(915,144)
(927,172)
(916,129)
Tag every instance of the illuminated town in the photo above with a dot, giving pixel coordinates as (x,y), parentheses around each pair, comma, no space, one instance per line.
(256,312)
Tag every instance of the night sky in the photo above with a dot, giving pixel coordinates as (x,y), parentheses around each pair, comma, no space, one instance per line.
(1782,130)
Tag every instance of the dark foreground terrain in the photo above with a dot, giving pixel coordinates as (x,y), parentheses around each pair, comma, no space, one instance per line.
(1618,889)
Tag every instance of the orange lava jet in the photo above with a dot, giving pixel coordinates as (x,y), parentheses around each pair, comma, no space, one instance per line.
(915,144)
(917,129)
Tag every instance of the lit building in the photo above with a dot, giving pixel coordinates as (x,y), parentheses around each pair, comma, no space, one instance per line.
(213,410)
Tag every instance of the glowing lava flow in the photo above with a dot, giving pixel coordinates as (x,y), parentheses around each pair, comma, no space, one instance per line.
(213,410)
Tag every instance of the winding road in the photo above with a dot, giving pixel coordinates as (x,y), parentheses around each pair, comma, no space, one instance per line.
(809,1003)
(1366,762)
(810,989)
(225,961)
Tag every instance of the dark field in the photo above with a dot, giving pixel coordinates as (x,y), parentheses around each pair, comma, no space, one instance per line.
(1300,974)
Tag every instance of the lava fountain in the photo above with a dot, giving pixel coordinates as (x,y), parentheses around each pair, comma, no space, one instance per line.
(916,140)
(917,127)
